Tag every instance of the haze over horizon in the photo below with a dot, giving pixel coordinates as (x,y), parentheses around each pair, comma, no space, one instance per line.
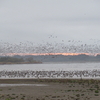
(40,21)
(49,26)
(48,49)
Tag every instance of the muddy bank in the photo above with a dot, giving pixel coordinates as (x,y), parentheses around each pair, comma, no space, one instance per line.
(56,89)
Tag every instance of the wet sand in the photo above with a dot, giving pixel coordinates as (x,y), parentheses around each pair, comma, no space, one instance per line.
(51,89)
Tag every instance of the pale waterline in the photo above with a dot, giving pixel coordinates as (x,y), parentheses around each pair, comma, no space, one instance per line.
(5,85)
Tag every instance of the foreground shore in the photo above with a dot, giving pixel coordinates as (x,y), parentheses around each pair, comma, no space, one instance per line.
(51,89)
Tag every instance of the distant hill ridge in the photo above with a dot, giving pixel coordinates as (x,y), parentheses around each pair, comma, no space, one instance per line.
(61,58)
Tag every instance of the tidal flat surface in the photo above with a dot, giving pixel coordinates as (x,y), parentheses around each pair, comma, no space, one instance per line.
(57,89)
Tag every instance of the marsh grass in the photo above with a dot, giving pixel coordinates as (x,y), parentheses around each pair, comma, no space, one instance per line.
(9,89)
(8,99)
(96,94)
(96,91)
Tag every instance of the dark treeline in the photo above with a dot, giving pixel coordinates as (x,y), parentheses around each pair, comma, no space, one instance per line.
(11,59)
(51,58)
(20,60)
(62,58)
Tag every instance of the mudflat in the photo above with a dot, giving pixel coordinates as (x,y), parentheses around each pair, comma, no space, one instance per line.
(49,89)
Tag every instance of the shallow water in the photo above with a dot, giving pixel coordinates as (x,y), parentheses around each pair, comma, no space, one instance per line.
(51,66)
(5,85)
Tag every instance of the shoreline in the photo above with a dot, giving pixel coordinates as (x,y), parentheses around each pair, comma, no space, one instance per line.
(46,80)
(10,63)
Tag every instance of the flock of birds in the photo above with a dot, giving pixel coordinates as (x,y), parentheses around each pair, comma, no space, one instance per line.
(29,47)
(50,74)
(71,46)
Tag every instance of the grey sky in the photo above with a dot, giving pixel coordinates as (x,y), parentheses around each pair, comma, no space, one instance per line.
(37,20)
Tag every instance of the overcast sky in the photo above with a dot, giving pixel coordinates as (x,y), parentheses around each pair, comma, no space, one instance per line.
(49,20)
